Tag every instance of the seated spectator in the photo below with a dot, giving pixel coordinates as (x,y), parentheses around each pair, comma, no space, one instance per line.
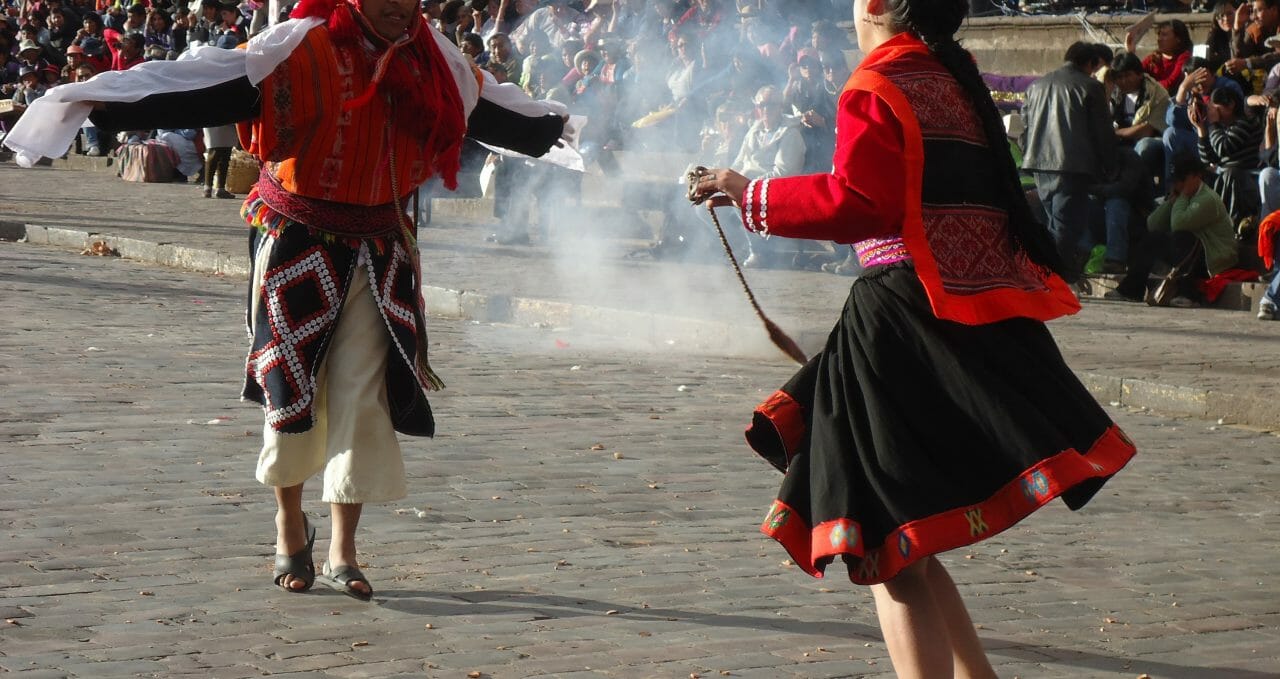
(30,88)
(472,45)
(1192,219)
(1229,138)
(504,56)
(204,30)
(93,145)
(1269,177)
(825,36)
(75,59)
(1119,209)
(157,39)
(231,30)
(616,64)
(772,147)
(1269,250)
(807,96)
(704,21)
(431,12)
(1138,107)
(557,20)
(1251,58)
(569,50)
(499,74)
(8,74)
(128,51)
(62,34)
(93,41)
(686,74)
(1218,40)
(510,14)
(1173,48)
(1196,87)
(30,55)
(835,72)
(451,17)
(135,19)
(538,48)
(51,76)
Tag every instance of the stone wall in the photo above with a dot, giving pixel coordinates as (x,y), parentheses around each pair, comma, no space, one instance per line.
(1034,45)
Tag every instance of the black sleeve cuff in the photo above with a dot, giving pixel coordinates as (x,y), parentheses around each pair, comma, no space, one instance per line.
(222,104)
(497,126)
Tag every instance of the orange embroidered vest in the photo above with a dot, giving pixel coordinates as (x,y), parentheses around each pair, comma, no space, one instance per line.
(313,147)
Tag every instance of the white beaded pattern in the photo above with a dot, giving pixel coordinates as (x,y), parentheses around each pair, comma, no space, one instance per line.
(764,208)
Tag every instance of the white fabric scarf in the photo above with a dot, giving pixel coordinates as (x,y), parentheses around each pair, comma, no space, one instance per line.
(49,126)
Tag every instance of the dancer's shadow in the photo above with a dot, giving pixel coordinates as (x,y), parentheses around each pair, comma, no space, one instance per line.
(552,606)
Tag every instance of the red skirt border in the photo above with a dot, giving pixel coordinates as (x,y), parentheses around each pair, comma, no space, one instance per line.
(948,530)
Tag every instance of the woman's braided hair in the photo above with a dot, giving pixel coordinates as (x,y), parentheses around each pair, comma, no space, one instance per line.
(935,23)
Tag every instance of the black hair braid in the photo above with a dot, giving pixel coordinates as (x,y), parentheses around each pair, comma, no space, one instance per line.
(936,26)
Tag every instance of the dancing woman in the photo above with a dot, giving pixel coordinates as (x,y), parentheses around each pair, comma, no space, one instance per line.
(940,411)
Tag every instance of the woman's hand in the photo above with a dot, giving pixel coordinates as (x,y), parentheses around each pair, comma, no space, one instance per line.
(1194,114)
(721,181)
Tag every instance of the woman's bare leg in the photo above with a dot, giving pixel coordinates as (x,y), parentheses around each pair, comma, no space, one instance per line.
(912,624)
(966,650)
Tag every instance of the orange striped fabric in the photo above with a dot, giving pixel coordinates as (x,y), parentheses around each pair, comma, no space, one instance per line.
(317,150)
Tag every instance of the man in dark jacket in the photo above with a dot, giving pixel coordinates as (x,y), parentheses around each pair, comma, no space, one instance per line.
(1070,145)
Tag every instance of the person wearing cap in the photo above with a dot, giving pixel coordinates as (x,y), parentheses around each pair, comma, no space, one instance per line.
(330,236)
(92,39)
(75,57)
(30,54)
(232,29)
(30,88)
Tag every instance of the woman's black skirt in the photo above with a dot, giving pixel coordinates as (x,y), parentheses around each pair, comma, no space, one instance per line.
(909,435)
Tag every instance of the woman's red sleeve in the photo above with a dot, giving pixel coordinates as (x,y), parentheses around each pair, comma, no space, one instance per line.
(862,197)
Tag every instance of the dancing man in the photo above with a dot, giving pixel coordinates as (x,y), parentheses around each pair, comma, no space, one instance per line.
(350,106)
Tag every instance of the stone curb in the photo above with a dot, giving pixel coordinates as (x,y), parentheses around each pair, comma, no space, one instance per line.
(647,329)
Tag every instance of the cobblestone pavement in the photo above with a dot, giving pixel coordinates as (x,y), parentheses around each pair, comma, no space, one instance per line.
(1204,361)
(585,512)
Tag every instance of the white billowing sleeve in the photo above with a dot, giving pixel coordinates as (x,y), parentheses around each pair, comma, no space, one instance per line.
(49,126)
(506,95)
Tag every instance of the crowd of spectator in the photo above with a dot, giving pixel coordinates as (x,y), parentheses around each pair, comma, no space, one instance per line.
(1169,158)
(1110,137)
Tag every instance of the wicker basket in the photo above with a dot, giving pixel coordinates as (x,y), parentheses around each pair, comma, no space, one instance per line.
(242,173)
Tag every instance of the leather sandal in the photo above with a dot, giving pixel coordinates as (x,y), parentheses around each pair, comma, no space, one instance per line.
(340,579)
(300,565)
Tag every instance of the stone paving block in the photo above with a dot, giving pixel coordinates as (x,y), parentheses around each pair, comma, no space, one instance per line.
(1198,497)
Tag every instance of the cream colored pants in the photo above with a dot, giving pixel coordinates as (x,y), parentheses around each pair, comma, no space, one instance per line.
(352,439)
